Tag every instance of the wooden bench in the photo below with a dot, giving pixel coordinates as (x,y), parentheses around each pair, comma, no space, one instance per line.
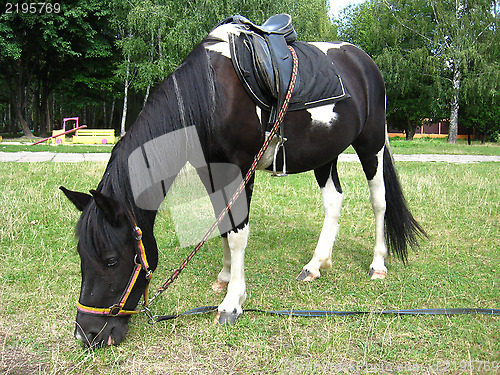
(94,136)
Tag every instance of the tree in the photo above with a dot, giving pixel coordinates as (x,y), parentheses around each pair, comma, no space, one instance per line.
(43,49)
(404,58)
(457,32)
(431,53)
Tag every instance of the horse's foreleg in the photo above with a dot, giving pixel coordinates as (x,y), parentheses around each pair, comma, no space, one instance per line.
(332,203)
(225,274)
(378,269)
(230,309)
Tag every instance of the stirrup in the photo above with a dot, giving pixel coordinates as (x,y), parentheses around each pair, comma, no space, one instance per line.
(281,144)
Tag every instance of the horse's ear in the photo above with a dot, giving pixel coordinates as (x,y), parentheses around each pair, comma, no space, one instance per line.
(80,200)
(110,208)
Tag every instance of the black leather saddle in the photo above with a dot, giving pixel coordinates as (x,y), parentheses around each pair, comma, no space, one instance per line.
(266,48)
(264,64)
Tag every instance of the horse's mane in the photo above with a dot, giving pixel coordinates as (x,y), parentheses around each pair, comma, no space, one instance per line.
(187,97)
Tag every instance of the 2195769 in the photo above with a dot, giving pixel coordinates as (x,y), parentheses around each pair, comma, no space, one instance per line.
(32,8)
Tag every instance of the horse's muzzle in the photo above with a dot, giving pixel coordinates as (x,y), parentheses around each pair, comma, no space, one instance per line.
(96,332)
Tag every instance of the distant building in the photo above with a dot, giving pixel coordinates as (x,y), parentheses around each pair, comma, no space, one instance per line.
(433,130)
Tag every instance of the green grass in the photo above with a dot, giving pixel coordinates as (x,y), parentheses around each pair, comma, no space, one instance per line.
(459,266)
(43,147)
(440,146)
(398,145)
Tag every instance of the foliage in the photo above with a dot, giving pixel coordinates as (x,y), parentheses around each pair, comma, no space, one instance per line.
(435,57)
(159,34)
(48,51)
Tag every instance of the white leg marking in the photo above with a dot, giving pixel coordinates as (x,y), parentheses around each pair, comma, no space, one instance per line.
(236,293)
(324,115)
(377,199)
(322,258)
(225,274)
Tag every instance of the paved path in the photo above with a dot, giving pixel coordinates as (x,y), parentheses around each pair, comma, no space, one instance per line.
(31,157)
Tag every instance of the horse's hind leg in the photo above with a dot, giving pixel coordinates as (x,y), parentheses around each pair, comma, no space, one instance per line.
(373,168)
(333,197)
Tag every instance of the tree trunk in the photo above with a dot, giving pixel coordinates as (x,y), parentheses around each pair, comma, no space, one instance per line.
(146,96)
(111,115)
(44,111)
(453,132)
(104,115)
(84,117)
(19,107)
(125,99)
(93,116)
(47,117)
(410,130)
(10,128)
(18,95)
(36,109)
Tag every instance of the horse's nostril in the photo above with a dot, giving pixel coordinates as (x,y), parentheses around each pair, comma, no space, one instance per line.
(87,339)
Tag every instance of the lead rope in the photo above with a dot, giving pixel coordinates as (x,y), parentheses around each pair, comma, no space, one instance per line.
(237,193)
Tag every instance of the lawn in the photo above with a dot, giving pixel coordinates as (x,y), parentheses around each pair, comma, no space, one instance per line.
(398,145)
(458,266)
(440,146)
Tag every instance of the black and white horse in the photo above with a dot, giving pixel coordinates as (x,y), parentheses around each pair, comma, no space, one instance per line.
(205,94)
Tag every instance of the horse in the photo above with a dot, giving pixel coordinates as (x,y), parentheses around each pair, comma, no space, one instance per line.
(203,103)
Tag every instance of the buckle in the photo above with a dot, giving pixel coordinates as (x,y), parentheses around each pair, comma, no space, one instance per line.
(114,310)
(137,233)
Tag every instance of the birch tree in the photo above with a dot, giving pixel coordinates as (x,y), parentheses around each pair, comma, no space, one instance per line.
(458,32)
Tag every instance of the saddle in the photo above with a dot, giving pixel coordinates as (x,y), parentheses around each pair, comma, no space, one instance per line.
(263,63)
(266,46)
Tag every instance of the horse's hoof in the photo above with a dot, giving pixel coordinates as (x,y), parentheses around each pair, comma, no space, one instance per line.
(377,275)
(224,317)
(306,275)
(219,286)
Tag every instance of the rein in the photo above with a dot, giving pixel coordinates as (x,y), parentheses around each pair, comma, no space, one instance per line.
(325,313)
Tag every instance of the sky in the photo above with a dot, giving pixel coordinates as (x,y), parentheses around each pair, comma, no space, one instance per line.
(337,5)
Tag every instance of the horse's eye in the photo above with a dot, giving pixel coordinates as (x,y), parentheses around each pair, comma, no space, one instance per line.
(112,262)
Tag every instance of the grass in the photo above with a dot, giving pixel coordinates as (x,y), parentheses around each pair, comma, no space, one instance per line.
(459,266)
(440,146)
(398,145)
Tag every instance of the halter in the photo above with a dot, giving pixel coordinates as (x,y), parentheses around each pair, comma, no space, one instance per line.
(141,263)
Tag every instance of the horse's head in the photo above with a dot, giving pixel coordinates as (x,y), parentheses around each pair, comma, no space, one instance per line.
(113,266)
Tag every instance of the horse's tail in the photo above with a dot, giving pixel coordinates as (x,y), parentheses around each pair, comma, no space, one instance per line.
(401,228)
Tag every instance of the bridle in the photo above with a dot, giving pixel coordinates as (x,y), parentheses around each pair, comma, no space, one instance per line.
(141,264)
